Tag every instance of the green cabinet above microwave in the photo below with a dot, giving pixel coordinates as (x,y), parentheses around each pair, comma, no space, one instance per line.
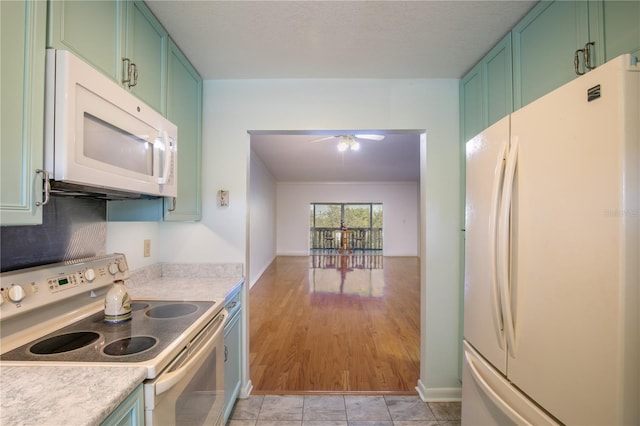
(120,38)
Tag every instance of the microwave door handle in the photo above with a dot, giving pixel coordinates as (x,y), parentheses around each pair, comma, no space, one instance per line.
(164,178)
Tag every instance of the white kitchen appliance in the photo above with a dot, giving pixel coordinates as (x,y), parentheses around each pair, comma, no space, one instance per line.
(54,315)
(552,274)
(101,139)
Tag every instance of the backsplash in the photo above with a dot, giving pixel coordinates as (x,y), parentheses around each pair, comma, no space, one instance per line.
(186,270)
(72,228)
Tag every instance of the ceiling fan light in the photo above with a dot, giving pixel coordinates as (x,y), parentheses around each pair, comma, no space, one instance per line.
(342,145)
(355,146)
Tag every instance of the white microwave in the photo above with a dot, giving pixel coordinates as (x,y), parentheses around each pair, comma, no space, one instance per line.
(102,140)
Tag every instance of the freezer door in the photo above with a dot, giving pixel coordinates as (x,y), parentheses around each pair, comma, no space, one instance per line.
(489,399)
(575,250)
(483,325)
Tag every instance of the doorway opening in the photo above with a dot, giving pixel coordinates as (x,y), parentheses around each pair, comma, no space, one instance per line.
(290,172)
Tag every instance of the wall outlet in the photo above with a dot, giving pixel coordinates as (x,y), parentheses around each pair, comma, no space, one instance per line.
(147,248)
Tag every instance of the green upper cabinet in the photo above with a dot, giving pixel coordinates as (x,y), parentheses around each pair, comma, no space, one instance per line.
(121,38)
(471,104)
(93,30)
(498,81)
(486,91)
(619,26)
(184,109)
(22,75)
(146,49)
(547,40)
(545,43)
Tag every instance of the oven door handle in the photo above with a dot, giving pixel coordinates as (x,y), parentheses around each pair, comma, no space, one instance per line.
(167,381)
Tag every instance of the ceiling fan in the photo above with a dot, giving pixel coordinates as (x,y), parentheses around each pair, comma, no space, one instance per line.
(350,141)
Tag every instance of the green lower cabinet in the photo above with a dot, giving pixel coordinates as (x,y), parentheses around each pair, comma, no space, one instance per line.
(130,412)
(232,366)
(23,38)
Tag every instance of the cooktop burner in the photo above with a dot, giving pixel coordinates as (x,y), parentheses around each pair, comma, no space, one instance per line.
(129,345)
(173,310)
(64,343)
(153,327)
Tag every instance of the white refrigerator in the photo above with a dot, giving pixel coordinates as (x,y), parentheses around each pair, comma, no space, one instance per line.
(552,266)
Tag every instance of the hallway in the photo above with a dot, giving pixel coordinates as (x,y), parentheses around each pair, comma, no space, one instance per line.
(336,324)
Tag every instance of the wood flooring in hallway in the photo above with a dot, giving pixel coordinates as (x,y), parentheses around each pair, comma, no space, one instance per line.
(336,324)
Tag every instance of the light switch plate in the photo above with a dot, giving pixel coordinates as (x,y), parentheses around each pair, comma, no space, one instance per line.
(223,198)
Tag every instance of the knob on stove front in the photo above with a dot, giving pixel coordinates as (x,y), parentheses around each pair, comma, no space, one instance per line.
(16,293)
(113,268)
(116,267)
(90,274)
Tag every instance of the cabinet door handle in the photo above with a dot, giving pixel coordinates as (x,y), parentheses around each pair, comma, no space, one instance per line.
(46,189)
(576,61)
(587,55)
(135,75)
(172,204)
(131,69)
(126,71)
(226,353)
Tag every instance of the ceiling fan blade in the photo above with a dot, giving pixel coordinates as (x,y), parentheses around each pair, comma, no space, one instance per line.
(323,139)
(370,137)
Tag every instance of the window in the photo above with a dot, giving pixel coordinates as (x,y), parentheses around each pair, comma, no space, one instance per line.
(365,219)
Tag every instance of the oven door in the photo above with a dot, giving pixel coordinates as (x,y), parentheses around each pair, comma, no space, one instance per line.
(191,390)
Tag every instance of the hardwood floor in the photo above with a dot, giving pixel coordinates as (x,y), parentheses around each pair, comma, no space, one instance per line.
(332,323)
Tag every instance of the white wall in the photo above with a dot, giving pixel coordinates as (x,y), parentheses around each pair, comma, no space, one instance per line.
(232,107)
(400,214)
(128,238)
(262,211)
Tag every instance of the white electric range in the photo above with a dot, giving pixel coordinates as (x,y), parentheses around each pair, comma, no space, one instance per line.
(54,315)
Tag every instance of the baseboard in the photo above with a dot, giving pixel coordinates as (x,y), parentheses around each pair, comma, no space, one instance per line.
(293,253)
(245,391)
(255,276)
(439,394)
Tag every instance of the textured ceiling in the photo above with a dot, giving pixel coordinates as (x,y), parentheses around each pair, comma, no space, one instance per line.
(267,39)
(336,39)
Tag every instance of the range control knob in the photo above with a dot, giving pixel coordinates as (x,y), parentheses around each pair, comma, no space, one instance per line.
(90,274)
(113,268)
(122,266)
(16,293)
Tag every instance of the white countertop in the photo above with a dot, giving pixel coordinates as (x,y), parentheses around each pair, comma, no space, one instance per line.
(54,396)
(44,396)
(183,288)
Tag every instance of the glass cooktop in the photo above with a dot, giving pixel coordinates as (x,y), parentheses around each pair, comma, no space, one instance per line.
(154,325)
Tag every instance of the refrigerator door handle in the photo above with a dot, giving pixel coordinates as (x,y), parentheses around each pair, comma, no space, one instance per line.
(498,177)
(504,247)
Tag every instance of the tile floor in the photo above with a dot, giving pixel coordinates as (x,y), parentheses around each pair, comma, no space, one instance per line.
(347,410)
